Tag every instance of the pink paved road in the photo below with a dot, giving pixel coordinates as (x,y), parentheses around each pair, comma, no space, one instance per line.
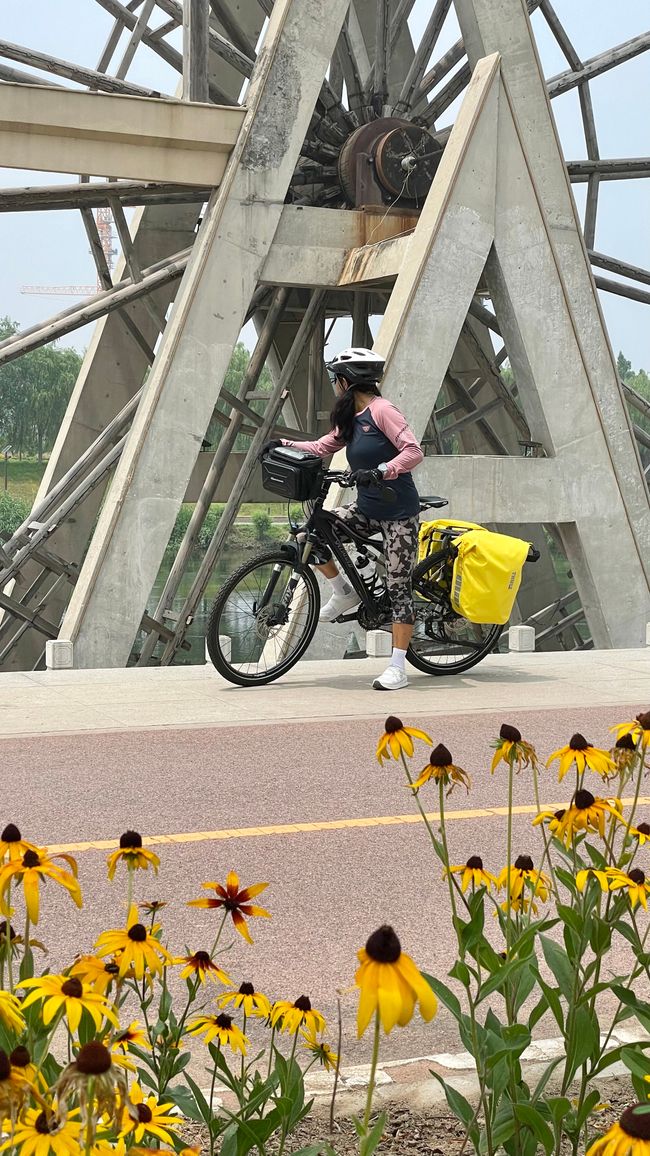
(328,889)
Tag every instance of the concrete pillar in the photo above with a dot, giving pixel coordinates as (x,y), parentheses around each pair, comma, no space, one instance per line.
(133,530)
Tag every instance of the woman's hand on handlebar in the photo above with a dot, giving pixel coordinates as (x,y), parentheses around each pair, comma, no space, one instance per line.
(366,478)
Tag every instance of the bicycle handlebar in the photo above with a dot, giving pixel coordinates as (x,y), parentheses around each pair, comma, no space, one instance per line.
(344,478)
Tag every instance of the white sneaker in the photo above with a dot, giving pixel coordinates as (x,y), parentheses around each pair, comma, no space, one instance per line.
(393,678)
(338,604)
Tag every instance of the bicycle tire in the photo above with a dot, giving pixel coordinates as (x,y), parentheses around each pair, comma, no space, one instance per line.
(225,666)
(492,632)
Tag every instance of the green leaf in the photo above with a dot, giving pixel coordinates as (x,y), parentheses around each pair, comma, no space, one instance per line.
(370,1142)
(460,971)
(201,1103)
(584,1043)
(588,1104)
(446,997)
(545,1077)
(498,980)
(559,964)
(639,1008)
(552,996)
(184,1100)
(559,1107)
(540,1009)
(530,1116)
(570,917)
(600,939)
(462,1110)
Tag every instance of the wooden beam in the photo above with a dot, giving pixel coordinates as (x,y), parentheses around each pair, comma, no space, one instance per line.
(82,194)
(617,169)
(218,43)
(613,265)
(596,65)
(87,76)
(623,290)
(135,38)
(196,33)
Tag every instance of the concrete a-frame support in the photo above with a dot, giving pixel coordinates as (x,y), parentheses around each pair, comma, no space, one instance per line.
(134,527)
(487,208)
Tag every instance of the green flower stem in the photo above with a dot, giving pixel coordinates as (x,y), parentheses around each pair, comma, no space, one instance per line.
(338,1063)
(511,763)
(210,1107)
(637,791)
(192,990)
(129,886)
(221,927)
(273,1031)
(373,1074)
(89,1136)
(243,1057)
(445,849)
(285,1123)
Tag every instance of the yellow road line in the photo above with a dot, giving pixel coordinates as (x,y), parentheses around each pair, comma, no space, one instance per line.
(323,825)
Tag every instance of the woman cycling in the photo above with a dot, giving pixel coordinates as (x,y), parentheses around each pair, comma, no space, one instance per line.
(380,447)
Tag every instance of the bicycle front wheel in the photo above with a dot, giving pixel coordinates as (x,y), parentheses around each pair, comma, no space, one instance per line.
(443,642)
(263,619)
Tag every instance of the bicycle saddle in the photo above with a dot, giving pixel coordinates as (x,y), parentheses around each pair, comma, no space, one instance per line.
(429,503)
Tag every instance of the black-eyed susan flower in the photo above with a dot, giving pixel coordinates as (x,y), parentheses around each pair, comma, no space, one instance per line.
(153,906)
(634,882)
(31,870)
(42,1133)
(629,1137)
(522,878)
(510,748)
(290,1017)
(15,1088)
(390,983)
(587,812)
(520,906)
(234,899)
(397,738)
(580,754)
(133,854)
(473,872)
(221,1028)
(134,948)
(320,1051)
(145,1116)
(12,844)
(550,819)
(99,973)
(135,1034)
(10,1013)
(202,967)
(68,995)
(624,754)
(638,729)
(253,1002)
(640,833)
(98,1085)
(23,1065)
(442,769)
(583,877)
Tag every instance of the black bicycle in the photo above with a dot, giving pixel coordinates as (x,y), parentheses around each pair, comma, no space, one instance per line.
(266,613)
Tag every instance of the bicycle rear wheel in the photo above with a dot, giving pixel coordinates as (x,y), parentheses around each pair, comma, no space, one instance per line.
(263,619)
(443,642)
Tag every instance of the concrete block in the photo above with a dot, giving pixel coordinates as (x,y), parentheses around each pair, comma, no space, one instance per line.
(58,654)
(521,639)
(226,647)
(379,644)
(647,633)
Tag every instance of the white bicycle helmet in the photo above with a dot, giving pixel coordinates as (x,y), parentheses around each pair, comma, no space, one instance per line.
(358,366)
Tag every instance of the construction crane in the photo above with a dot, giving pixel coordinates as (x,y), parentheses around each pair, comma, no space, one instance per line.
(105,229)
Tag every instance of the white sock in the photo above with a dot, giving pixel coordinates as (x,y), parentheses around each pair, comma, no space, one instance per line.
(398,658)
(340,585)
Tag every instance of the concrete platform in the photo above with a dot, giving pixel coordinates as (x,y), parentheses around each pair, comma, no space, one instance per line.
(196,696)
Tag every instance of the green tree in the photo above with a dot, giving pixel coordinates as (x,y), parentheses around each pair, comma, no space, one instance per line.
(234,377)
(34,392)
(624,367)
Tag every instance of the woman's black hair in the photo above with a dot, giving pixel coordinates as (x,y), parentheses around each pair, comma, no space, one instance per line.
(343,412)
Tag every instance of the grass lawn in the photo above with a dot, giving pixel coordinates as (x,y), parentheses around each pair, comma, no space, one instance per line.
(23,478)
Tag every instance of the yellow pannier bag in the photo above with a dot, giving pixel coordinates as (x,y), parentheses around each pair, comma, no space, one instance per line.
(430,537)
(487,575)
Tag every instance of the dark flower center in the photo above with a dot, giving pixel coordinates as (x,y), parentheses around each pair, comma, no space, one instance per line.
(111,968)
(231,904)
(31,859)
(5,1065)
(4,927)
(578,742)
(45,1124)
(11,834)
(644,720)
(643,828)
(247,989)
(509,734)
(93,1059)
(130,839)
(72,987)
(524,863)
(383,945)
(637,875)
(393,724)
(137,933)
(584,800)
(201,959)
(20,1057)
(626,743)
(559,814)
(475,863)
(440,756)
(145,1115)
(635,1123)
(303,1003)
(224,1021)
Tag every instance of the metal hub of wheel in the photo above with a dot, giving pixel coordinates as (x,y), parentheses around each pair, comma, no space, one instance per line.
(388,161)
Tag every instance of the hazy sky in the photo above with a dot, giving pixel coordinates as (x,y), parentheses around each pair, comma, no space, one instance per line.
(51,248)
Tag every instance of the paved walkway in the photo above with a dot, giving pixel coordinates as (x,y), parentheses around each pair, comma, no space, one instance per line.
(281,783)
